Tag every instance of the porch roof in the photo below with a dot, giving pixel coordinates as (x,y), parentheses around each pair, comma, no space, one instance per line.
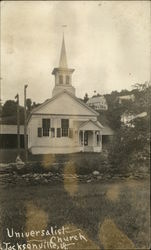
(93,125)
(90,125)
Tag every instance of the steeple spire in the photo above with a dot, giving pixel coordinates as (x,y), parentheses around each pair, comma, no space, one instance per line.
(63,57)
(63,74)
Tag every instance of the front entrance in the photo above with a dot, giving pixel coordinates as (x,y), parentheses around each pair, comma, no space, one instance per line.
(90,140)
(86,138)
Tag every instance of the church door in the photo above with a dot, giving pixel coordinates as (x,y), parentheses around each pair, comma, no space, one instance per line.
(85,138)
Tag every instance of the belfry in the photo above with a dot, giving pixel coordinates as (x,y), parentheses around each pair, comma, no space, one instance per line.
(63,74)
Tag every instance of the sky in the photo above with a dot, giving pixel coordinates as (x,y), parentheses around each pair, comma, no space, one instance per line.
(107,43)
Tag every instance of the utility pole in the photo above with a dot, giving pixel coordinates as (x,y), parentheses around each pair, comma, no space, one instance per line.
(25,125)
(0,96)
(18,125)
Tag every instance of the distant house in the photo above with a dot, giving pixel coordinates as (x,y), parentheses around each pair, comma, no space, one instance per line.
(126,97)
(63,123)
(127,118)
(8,136)
(98,103)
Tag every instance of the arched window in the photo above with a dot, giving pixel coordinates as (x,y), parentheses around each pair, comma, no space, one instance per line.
(67,79)
(60,79)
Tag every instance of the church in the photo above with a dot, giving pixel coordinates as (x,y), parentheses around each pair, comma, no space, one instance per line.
(64,123)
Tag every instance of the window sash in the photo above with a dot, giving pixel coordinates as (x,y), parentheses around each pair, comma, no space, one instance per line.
(64,123)
(45,123)
(65,132)
(45,131)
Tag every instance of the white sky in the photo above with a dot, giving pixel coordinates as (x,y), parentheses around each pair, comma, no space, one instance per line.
(107,43)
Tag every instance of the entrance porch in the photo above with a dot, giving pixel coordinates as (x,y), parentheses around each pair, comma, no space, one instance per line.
(90,141)
(90,137)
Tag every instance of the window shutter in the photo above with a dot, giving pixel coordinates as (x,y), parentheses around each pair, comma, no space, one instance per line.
(58,132)
(39,132)
(71,133)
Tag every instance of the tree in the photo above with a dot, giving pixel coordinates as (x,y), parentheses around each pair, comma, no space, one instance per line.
(29,104)
(86,98)
(114,111)
(9,108)
(130,148)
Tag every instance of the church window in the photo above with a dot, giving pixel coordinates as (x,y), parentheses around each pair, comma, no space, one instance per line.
(65,127)
(61,79)
(46,126)
(67,79)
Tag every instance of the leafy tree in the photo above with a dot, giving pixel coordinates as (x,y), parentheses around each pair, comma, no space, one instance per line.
(114,111)
(130,148)
(29,104)
(86,98)
(9,108)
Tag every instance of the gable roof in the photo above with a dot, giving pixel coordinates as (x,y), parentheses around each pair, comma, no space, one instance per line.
(93,123)
(96,99)
(82,104)
(44,105)
(105,130)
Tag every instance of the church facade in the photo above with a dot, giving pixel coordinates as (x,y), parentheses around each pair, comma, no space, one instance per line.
(64,123)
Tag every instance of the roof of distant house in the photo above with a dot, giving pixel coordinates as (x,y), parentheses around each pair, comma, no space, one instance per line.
(126,96)
(10,129)
(95,99)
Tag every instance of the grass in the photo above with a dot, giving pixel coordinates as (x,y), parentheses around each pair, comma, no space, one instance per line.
(126,204)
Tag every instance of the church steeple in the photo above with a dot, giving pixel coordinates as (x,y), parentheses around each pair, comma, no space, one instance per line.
(63,74)
(63,56)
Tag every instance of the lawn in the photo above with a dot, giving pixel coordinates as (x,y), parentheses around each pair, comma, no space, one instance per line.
(110,215)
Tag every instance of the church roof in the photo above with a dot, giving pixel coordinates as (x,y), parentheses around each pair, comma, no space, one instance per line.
(56,96)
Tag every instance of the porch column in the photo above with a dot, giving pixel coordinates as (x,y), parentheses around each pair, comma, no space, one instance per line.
(78,135)
(94,140)
(83,139)
(100,139)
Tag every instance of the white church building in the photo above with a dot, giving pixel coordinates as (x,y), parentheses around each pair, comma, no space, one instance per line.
(64,123)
